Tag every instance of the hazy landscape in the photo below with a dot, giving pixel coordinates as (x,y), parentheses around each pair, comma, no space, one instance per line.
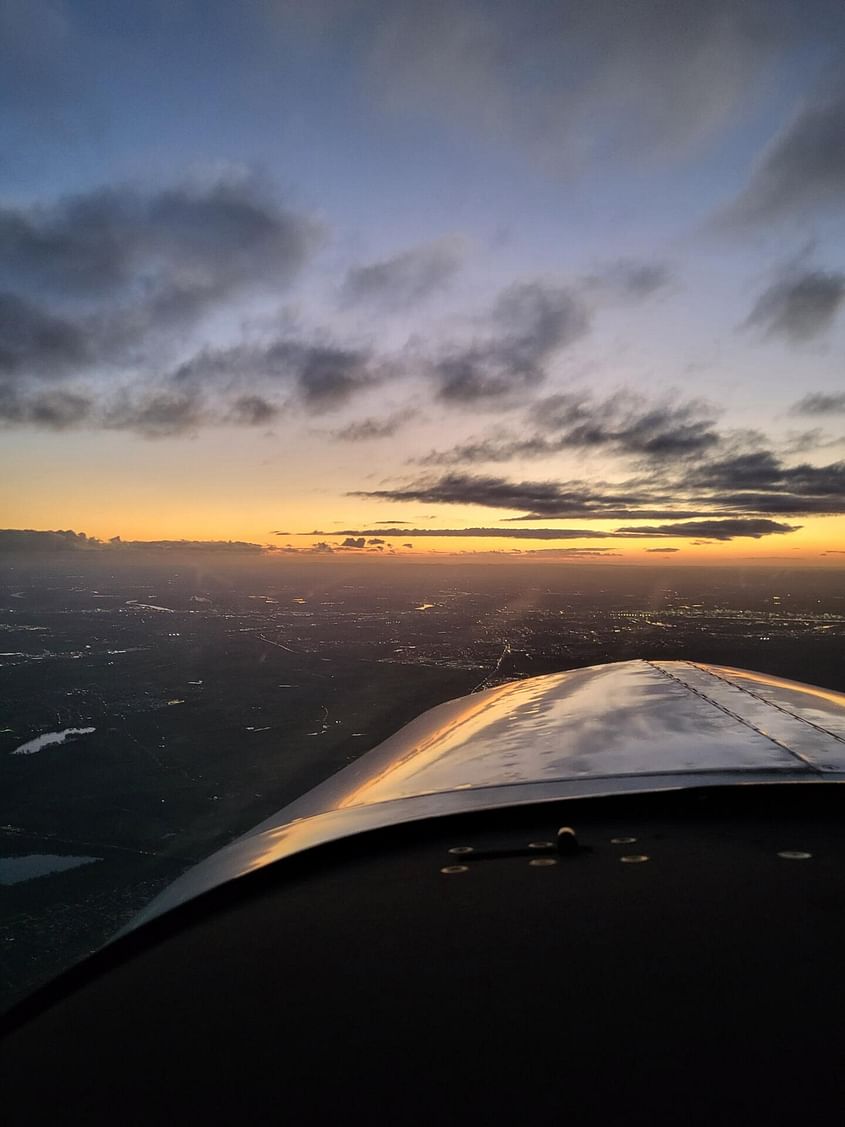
(154,710)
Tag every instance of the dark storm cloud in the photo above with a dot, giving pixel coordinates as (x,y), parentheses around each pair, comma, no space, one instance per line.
(406,279)
(530,322)
(728,529)
(799,307)
(353,542)
(818,403)
(803,168)
(623,423)
(664,551)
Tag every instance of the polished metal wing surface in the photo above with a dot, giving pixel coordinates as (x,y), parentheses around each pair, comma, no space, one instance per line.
(634,725)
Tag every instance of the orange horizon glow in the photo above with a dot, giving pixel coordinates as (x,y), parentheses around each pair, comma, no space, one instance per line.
(149,492)
(819,542)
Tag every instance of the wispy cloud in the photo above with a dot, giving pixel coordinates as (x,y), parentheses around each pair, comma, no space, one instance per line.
(803,168)
(97,288)
(624,423)
(196,241)
(728,529)
(627,279)
(530,322)
(650,86)
(712,529)
(53,409)
(756,483)
(35,342)
(566,553)
(820,403)
(364,430)
(157,415)
(543,499)
(800,306)
(485,533)
(92,277)
(406,279)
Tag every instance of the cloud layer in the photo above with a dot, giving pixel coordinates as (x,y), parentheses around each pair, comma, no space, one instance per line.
(727,529)
(531,322)
(755,483)
(799,307)
(651,85)
(803,168)
(28,540)
(625,423)
(406,279)
(101,286)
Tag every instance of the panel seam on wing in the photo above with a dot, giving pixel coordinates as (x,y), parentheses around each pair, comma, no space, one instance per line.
(808,763)
(771,703)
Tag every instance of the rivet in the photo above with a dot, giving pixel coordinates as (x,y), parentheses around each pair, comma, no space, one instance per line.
(455,869)
(622,840)
(537,861)
(540,845)
(567,841)
(794,855)
(634,858)
(461,849)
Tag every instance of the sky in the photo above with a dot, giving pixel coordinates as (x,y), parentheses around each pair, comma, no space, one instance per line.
(523,281)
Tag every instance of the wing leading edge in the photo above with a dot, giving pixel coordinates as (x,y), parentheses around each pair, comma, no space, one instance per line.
(628,726)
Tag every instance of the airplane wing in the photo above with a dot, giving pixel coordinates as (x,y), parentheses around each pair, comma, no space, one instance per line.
(631,726)
(612,895)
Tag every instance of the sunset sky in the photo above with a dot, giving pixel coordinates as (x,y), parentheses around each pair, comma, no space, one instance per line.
(564,279)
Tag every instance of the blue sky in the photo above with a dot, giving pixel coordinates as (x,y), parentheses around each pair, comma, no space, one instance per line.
(593,245)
